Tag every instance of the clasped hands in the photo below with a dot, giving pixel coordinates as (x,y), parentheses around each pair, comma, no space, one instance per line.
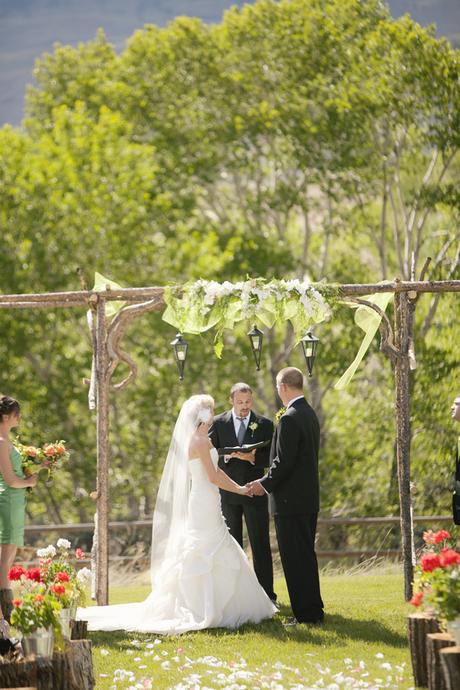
(254,489)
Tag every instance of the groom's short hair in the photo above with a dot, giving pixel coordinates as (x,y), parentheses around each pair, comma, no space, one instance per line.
(292,377)
(240,388)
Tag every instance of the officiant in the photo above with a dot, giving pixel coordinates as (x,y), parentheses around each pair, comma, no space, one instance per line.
(236,427)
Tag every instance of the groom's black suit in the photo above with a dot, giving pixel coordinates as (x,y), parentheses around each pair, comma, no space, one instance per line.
(293,484)
(255,510)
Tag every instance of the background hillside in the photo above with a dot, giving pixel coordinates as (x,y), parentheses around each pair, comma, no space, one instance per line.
(30,27)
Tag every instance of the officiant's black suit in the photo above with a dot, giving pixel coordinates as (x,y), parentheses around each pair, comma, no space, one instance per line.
(293,484)
(255,510)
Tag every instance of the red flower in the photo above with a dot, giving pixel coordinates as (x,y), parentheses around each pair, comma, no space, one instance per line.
(79,553)
(448,557)
(429,562)
(34,574)
(58,589)
(62,577)
(441,536)
(17,602)
(39,598)
(417,599)
(15,572)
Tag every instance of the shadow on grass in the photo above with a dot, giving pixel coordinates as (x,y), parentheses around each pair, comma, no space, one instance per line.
(333,633)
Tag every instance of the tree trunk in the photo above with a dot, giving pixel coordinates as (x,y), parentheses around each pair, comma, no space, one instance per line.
(450,664)
(436,642)
(68,670)
(419,625)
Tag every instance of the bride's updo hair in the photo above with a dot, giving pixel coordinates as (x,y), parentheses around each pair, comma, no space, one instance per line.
(8,406)
(202,408)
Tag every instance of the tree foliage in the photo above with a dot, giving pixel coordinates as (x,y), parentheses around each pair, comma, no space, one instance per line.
(310,138)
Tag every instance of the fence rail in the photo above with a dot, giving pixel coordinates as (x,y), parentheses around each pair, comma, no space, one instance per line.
(116,525)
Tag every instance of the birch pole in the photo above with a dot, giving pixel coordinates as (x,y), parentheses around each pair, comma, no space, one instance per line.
(402,391)
(102,550)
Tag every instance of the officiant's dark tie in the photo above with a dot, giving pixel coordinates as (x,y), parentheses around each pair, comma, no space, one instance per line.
(241,431)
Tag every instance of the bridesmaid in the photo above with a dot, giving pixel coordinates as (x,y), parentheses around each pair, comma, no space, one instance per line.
(12,501)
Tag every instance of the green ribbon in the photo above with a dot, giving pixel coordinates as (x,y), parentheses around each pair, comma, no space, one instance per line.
(100,283)
(369,321)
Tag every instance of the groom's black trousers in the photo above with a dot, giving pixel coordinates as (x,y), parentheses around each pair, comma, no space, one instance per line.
(296,542)
(257,523)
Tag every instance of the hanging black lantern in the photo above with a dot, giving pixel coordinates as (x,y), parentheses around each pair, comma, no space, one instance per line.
(256,337)
(180,347)
(309,347)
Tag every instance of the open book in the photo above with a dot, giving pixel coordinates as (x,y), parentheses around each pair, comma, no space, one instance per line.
(246,448)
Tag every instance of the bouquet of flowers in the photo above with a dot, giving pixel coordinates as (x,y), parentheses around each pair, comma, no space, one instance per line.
(437,581)
(48,457)
(36,609)
(56,575)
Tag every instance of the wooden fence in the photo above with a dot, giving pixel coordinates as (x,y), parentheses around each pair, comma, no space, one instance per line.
(421,521)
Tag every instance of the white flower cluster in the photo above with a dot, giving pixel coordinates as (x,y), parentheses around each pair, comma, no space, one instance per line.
(48,552)
(63,544)
(313,302)
(83,575)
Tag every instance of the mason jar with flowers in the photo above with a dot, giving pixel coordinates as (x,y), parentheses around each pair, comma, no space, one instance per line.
(437,581)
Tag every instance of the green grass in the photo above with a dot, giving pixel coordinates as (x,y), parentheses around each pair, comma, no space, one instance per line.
(365,620)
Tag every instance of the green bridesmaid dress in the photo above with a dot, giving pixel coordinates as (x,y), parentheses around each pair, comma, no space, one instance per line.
(12,506)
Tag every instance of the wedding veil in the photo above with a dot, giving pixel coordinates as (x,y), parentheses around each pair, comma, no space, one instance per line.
(170,514)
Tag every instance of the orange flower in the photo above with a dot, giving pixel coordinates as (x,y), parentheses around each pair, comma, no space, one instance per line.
(17,602)
(60,448)
(39,598)
(31,451)
(417,599)
(49,450)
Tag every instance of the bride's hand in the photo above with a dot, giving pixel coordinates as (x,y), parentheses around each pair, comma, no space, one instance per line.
(245,491)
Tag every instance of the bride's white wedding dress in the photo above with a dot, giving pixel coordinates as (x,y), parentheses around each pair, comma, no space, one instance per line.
(209,584)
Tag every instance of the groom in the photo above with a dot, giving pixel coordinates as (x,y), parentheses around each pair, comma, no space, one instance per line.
(234,428)
(293,483)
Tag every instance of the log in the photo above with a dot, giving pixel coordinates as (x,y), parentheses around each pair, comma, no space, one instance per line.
(419,625)
(436,642)
(71,669)
(450,664)
(78,630)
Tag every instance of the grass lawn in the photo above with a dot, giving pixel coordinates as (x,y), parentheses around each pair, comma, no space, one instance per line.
(363,644)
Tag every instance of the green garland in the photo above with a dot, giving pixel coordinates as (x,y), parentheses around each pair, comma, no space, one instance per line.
(198,306)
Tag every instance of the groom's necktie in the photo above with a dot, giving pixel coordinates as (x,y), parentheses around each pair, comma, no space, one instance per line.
(241,430)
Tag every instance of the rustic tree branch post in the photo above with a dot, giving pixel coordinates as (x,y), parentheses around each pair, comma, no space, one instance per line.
(402,390)
(102,388)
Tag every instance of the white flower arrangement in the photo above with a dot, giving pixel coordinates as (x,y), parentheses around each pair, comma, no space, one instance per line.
(253,426)
(63,544)
(83,575)
(196,307)
(47,552)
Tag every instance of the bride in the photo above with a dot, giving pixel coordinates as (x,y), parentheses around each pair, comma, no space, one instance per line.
(200,576)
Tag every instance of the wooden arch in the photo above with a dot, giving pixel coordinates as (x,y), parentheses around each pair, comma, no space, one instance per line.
(107,354)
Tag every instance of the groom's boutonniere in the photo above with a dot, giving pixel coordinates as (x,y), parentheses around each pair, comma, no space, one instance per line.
(253,426)
(279,414)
